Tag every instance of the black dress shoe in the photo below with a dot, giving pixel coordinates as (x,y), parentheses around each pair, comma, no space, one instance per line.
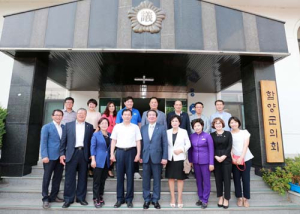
(146,205)
(199,203)
(204,205)
(46,205)
(220,205)
(83,203)
(118,204)
(129,204)
(66,205)
(156,205)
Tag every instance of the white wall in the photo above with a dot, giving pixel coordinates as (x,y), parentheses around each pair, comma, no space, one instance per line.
(208,99)
(81,98)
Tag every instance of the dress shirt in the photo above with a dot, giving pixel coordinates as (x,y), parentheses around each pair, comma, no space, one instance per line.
(80,129)
(126,135)
(68,116)
(151,129)
(224,116)
(205,119)
(58,128)
(161,118)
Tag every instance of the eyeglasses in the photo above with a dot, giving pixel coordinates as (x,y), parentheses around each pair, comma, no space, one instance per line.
(58,115)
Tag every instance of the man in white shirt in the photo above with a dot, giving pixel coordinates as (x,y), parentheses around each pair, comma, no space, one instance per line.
(74,154)
(126,138)
(50,142)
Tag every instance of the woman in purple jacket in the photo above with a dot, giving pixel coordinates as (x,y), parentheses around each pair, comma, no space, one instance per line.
(201,157)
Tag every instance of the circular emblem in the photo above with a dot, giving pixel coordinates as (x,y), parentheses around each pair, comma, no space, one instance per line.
(192,108)
(146,18)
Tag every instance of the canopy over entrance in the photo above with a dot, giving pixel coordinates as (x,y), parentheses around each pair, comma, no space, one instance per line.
(90,45)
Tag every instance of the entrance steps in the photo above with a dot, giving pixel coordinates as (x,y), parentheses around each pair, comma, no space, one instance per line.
(23,195)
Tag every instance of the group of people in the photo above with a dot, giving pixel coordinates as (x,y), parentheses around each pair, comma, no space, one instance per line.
(88,143)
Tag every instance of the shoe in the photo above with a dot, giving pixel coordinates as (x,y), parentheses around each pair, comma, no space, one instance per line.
(156,205)
(146,205)
(96,203)
(66,205)
(226,207)
(118,204)
(58,200)
(199,203)
(204,205)
(246,203)
(101,200)
(46,205)
(180,205)
(110,174)
(220,205)
(239,202)
(83,202)
(172,205)
(91,174)
(129,204)
(137,175)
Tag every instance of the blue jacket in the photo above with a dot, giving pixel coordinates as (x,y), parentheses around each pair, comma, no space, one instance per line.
(50,141)
(100,150)
(157,147)
(68,140)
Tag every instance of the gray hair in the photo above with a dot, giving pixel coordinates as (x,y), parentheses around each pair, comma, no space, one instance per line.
(82,109)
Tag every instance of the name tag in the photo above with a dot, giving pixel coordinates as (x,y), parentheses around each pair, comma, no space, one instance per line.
(203,139)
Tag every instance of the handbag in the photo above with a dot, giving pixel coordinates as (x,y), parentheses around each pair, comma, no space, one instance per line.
(235,157)
(186,165)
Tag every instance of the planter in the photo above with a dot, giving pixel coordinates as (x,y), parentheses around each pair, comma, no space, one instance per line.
(295,187)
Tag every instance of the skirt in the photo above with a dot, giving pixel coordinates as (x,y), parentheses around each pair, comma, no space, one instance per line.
(174,170)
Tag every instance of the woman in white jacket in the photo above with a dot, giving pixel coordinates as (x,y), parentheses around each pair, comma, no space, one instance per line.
(178,145)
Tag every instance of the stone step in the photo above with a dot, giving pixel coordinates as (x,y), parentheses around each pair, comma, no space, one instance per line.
(30,206)
(259,197)
(111,183)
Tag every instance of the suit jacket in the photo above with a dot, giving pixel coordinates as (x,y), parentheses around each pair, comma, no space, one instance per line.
(68,140)
(50,141)
(182,142)
(185,121)
(202,149)
(100,150)
(157,147)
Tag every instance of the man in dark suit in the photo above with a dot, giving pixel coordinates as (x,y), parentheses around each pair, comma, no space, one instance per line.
(154,154)
(50,142)
(185,120)
(74,154)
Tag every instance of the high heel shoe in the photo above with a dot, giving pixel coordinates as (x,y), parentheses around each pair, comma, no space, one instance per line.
(172,205)
(221,205)
(226,207)
(180,205)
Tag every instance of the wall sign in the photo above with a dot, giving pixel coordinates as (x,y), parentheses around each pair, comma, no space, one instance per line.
(272,127)
(146,18)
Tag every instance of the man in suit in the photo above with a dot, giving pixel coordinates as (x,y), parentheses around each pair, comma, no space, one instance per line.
(154,154)
(74,154)
(185,120)
(50,143)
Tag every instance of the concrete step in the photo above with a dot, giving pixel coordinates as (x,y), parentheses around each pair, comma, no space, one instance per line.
(30,206)
(111,183)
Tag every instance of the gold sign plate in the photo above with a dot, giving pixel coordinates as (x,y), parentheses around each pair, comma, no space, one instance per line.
(272,126)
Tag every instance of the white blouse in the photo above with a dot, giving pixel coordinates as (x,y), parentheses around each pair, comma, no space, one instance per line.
(238,140)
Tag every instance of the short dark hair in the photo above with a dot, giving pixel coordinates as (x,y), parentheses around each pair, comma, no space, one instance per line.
(197,103)
(152,111)
(216,120)
(199,120)
(69,98)
(126,110)
(153,98)
(128,98)
(55,110)
(178,101)
(101,119)
(175,116)
(92,101)
(235,119)
(219,101)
